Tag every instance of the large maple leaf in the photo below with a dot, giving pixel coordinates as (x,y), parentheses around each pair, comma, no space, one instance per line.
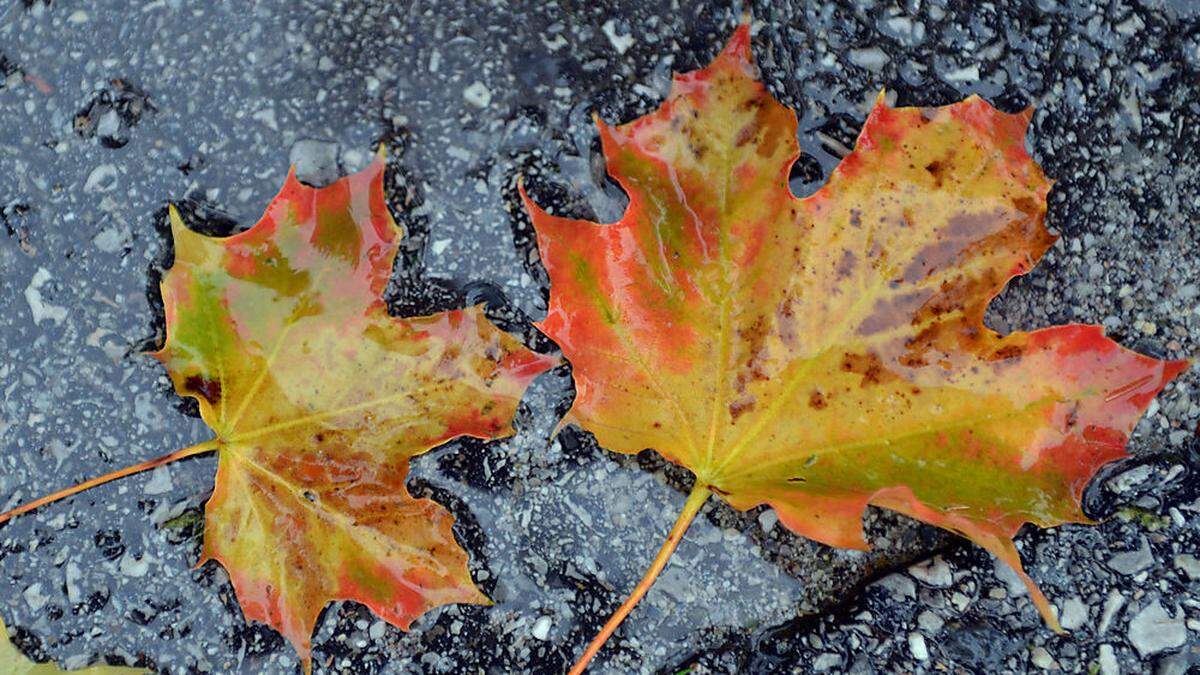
(822,354)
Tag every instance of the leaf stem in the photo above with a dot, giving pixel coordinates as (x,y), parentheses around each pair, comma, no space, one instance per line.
(691,507)
(198,449)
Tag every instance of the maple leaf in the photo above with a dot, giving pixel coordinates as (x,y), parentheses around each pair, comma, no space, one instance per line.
(13,662)
(822,354)
(318,399)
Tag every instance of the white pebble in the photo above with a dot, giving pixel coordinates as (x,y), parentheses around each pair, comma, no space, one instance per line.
(478,95)
(541,628)
(1108,661)
(621,43)
(916,645)
(42,311)
(102,179)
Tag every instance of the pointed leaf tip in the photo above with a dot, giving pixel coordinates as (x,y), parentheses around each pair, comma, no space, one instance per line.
(738,47)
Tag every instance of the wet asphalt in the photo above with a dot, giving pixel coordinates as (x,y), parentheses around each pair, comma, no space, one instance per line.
(108,110)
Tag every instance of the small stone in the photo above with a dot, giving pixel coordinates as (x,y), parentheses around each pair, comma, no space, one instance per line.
(40,309)
(1108,661)
(965,74)
(134,567)
(377,630)
(899,585)
(541,628)
(871,58)
(1074,614)
(160,481)
(1112,605)
(1130,563)
(929,622)
(267,117)
(1173,664)
(620,41)
(767,520)
(960,601)
(34,597)
(1152,630)
(933,572)
(1042,659)
(916,645)
(1127,480)
(912,32)
(478,95)
(1012,581)
(102,179)
(109,125)
(109,240)
(315,161)
(72,575)
(1189,564)
(827,662)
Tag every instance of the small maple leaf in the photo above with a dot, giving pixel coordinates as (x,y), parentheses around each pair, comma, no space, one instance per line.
(13,662)
(822,354)
(319,398)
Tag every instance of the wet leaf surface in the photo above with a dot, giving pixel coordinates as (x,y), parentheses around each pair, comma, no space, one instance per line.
(826,353)
(319,397)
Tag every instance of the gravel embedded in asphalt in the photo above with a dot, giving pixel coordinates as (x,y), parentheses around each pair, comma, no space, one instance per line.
(107,111)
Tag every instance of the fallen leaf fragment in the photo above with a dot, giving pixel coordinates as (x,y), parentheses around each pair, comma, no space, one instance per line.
(319,398)
(13,662)
(827,353)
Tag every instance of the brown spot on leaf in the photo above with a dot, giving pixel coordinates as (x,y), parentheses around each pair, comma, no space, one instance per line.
(785,321)
(816,400)
(752,104)
(209,389)
(845,266)
(891,311)
(932,258)
(937,170)
(745,135)
(869,366)
(1026,205)
(1073,416)
(740,407)
(1009,351)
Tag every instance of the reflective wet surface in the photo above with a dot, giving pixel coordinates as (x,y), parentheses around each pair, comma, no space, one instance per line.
(107,112)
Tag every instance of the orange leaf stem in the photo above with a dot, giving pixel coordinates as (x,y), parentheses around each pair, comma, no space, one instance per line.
(691,507)
(198,449)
